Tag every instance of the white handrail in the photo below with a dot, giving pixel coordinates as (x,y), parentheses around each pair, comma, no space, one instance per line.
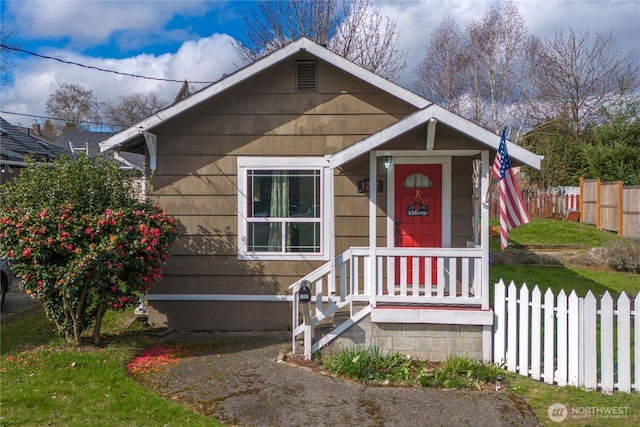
(400,275)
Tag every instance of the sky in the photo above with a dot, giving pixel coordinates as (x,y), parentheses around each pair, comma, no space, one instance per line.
(193,40)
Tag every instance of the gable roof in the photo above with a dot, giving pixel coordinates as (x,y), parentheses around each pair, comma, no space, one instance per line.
(427,109)
(301,44)
(15,144)
(421,117)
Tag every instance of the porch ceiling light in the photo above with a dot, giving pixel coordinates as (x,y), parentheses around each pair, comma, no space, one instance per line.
(386,160)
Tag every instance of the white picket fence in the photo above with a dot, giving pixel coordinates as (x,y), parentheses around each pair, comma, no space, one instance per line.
(568,340)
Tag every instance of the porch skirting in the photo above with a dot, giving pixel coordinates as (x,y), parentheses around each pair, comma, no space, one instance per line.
(425,341)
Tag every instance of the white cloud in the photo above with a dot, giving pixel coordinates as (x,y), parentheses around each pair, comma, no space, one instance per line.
(206,59)
(622,17)
(86,23)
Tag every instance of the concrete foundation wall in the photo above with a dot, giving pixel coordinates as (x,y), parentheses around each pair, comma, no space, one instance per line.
(432,342)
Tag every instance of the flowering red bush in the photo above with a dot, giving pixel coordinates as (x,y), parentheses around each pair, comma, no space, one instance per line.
(80,258)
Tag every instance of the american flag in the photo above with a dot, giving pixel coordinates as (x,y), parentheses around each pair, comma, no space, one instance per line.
(512,210)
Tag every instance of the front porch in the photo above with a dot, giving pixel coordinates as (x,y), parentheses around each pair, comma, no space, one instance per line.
(422,281)
(386,302)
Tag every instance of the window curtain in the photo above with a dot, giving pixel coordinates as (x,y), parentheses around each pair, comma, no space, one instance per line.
(279,209)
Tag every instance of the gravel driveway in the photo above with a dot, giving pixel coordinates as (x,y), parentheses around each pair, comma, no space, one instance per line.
(238,381)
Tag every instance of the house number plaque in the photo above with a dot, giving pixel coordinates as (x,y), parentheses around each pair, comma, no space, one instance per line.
(364,185)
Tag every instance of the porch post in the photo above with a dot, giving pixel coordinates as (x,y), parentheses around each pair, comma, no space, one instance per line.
(487,330)
(373,276)
(484,227)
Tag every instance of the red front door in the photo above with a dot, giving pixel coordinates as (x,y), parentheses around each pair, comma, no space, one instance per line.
(418,212)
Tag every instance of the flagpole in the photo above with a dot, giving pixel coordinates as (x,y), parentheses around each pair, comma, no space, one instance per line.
(512,210)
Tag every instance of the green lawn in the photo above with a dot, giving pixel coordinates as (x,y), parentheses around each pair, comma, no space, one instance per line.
(45,381)
(550,232)
(579,279)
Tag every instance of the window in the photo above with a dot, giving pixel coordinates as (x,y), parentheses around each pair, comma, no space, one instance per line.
(417,180)
(280,211)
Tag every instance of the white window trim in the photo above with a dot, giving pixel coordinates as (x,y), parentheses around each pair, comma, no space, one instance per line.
(284,163)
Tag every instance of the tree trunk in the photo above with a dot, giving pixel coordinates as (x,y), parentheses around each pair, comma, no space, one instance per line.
(72,336)
(98,324)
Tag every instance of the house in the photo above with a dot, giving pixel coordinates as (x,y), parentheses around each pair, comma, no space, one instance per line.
(15,145)
(87,142)
(303,176)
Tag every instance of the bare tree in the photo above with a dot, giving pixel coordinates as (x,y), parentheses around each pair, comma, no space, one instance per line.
(7,41)
(442,76)
(351,28)
(503,55)
(579,77)
(72,107)
(370,40)
(484,74)
(127,110)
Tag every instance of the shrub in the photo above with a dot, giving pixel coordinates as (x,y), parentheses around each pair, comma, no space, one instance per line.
(355,362)
(80,241)
(460,372)
(368,364)
(624,255)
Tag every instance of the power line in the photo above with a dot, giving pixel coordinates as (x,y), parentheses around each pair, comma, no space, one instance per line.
(15,49)
(58,119)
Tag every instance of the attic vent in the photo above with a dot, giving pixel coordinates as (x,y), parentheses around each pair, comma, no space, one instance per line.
(306,76)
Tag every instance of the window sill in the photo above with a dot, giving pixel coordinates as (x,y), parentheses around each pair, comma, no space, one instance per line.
(282,257)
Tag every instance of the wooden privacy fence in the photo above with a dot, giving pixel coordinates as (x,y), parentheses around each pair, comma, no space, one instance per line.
(611,206)
(549,204)
(568,340)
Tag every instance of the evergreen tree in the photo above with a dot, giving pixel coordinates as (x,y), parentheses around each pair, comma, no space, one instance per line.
(183,93)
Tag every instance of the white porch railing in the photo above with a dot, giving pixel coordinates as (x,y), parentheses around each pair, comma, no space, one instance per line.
(420,276)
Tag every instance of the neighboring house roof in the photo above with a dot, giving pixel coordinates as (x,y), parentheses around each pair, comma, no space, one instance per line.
(79,141)
(15,144)
(427,109)
(38,132)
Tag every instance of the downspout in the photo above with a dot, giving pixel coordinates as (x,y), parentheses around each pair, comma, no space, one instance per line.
(151,141)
